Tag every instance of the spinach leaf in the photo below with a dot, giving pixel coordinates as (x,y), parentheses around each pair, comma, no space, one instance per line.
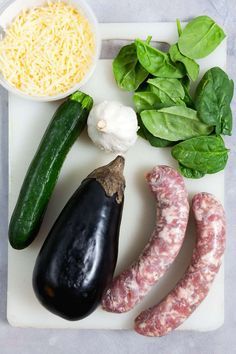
(189,172)
(140,132)
(156,62)
(169,91)
(154,141)
(200,37)
(213,97)
(179,28)
(188,99)
(144,100)
(185,81)
(191,66)
(206,154)
(128,72)
(174,123)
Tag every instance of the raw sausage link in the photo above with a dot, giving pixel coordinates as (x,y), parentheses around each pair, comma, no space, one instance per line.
(129,288)
(195,284)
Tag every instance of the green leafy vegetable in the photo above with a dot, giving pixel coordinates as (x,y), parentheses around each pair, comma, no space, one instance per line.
(167,113)
(179,28)
(185,81)
(188,99)
(189,172)
(144,100)
(169,91)
(128,72)
(200,37)
(213,97)
(191,66)
(206,154)
(174,123)
(148,40)
(154,141)
(156,62)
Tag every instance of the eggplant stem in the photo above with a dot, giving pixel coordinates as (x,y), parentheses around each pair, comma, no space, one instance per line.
(111,178)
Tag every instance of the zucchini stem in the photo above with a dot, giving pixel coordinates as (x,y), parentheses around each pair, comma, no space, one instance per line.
(85,100)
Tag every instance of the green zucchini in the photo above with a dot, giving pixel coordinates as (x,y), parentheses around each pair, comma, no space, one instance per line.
(66,125)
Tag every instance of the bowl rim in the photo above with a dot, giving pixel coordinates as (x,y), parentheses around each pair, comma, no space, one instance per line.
(89,14)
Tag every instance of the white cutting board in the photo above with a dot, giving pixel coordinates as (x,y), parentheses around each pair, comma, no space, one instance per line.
(27,122)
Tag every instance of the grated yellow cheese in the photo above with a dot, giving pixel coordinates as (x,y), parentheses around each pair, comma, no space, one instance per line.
(47,50)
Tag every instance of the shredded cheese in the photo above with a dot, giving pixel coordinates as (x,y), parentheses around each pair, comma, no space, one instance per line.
(47,50)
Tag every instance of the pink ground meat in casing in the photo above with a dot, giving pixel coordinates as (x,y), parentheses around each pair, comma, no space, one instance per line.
(130,287)
(180,303)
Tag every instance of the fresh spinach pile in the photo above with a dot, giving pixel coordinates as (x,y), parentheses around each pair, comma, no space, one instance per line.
(168,115)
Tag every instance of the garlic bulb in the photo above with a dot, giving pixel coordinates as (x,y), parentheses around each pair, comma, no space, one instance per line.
(112,126)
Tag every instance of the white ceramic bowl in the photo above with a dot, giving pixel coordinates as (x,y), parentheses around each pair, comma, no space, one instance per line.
(10,9)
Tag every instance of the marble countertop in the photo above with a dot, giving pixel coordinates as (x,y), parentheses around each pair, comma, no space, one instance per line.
(222,341)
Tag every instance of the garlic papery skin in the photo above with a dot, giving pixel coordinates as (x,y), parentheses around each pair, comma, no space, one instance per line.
(112,126)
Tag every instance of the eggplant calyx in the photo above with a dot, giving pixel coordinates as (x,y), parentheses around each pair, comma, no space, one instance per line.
(111,178)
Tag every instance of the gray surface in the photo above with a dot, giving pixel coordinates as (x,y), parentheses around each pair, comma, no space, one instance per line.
(222,341)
